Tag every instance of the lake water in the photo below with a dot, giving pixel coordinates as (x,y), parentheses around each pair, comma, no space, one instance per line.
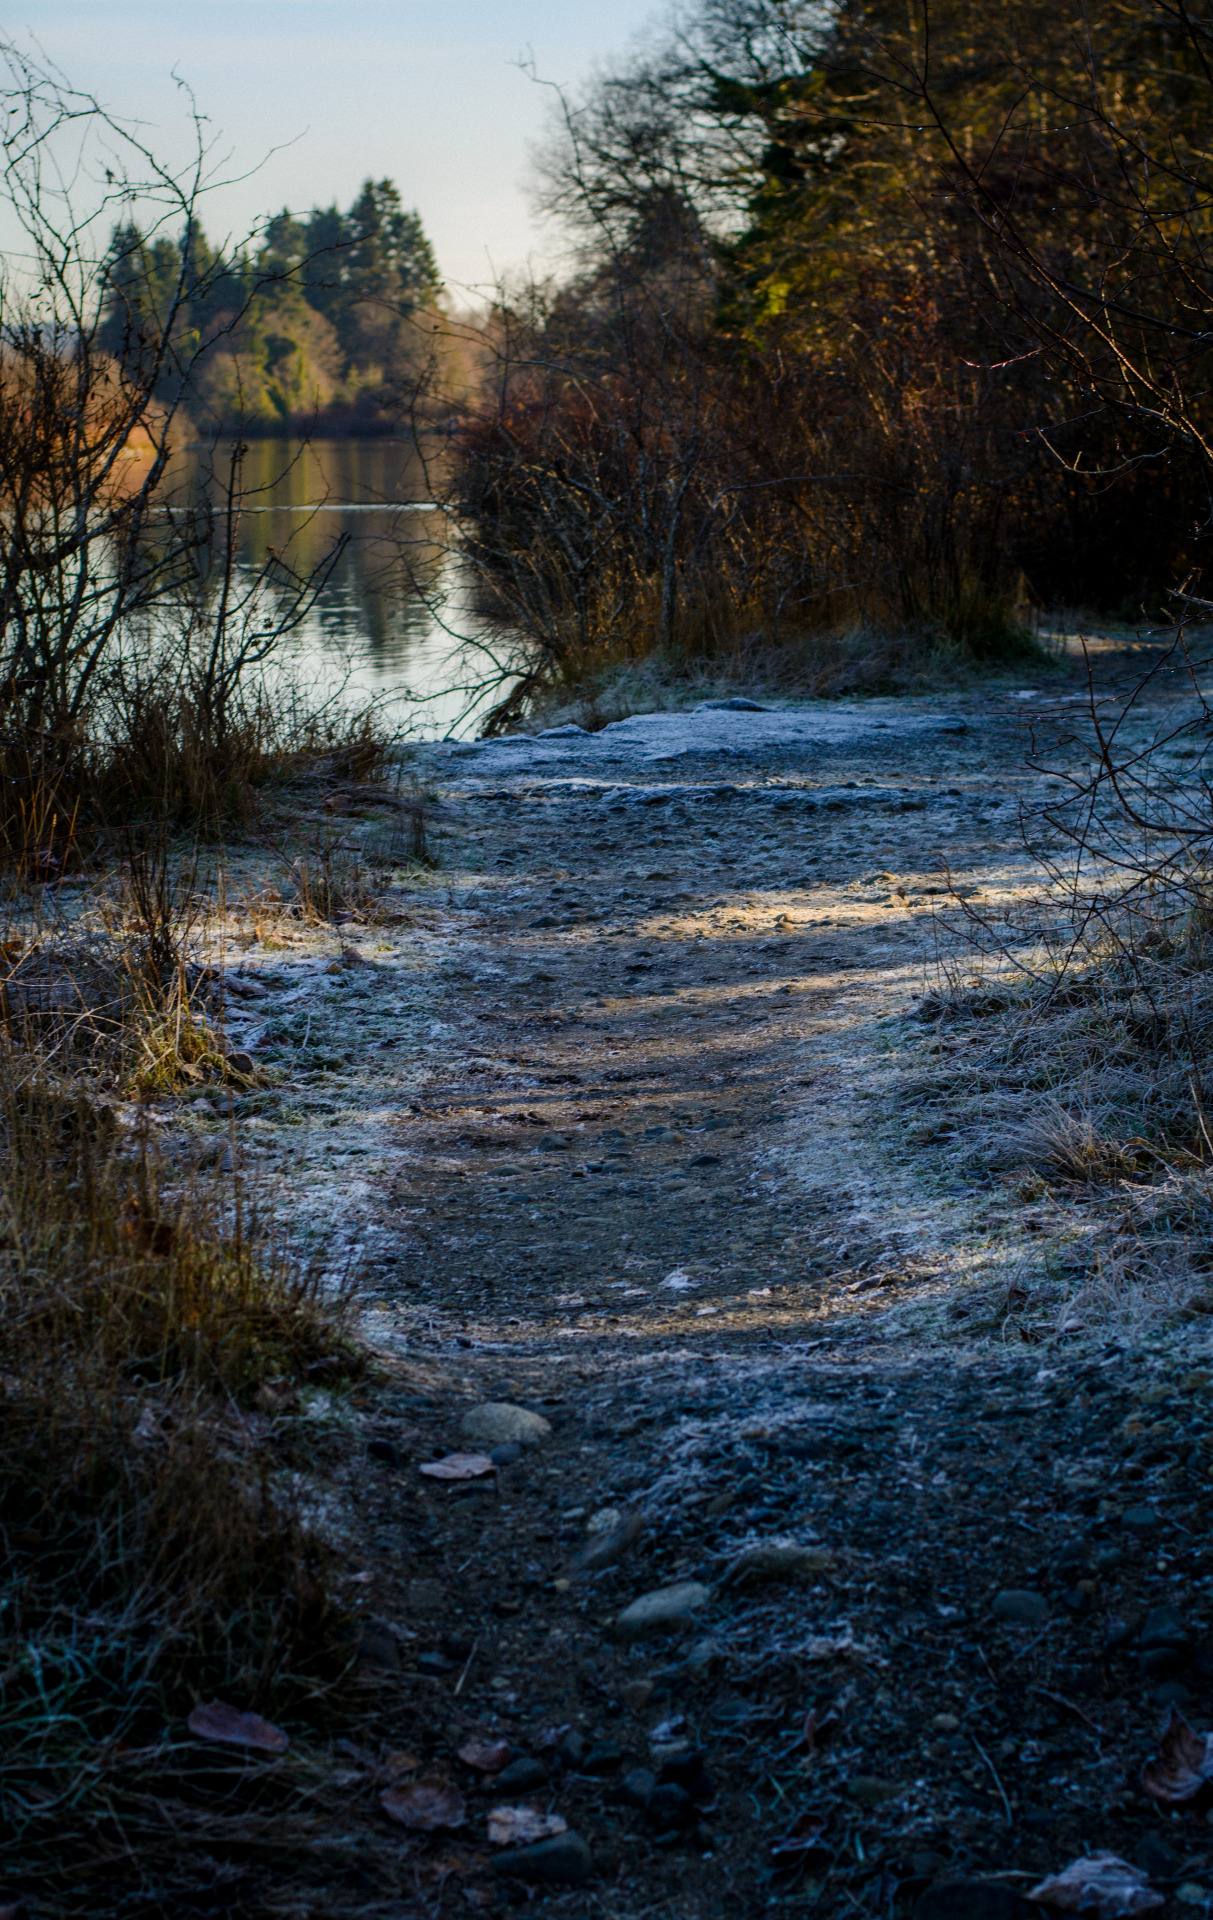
(395,622)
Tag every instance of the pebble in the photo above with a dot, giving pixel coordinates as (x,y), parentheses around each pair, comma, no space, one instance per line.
(523,1775)
(433,1663)
(505,1455)
(496,1423)
(1021,1607)
(663,1608)
(670,1808)
(379,1647)
(607,1548)
(563,1861)
(1162,1627)
(637,1694)
(866,1790)
(1141,1520)
(637,1787)
(1172,1693)
(781,1558)
(571,1749)
(603,1757)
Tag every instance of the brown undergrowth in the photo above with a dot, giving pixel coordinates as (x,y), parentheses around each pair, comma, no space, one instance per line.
(155,1338)
(595,686)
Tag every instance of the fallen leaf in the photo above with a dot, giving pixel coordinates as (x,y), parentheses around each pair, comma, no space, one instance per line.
(427,1806)
(1182,1765)
(231,1728)
(487,1756)
(458,1466)
(803,1837)
(1102,1885)
(396,1760)
(518,1826)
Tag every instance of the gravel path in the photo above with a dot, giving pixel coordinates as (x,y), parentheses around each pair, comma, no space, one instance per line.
(665,1160)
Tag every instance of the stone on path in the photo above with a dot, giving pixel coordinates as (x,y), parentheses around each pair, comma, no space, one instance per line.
(564,1861)
(664,1607)
(1021,1607)
(495,1423)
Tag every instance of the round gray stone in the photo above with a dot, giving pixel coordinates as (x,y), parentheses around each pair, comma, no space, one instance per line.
(1021,1607)
(662,1609)
(495,1423)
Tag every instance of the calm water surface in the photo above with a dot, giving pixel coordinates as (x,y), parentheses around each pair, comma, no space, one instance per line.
(395,621)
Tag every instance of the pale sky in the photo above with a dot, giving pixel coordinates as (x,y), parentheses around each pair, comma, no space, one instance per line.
(428,92)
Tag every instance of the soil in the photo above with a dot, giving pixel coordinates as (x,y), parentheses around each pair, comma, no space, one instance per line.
(633,1118)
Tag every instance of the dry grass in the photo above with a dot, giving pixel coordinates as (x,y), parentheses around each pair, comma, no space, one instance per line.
(155,1335)
(595,687)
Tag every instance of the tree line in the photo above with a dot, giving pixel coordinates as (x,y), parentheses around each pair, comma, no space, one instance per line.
(325,319)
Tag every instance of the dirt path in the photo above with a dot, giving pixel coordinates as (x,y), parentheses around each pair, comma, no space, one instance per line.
(667,1163)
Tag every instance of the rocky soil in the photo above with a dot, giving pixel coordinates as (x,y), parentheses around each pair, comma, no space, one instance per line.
(636,1119)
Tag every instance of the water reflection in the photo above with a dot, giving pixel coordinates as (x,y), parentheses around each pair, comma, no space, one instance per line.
(394,616)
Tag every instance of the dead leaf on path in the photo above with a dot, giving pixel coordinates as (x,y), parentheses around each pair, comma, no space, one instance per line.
(428,1806)
(802,1838)
(458,1466)
(1182,1765)
(1102,1885)
(231,1728)
(487,1756)
(518,1826)
(396,1761)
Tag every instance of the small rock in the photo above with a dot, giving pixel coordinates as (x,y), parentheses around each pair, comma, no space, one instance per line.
(636,1695)
(1107,1559)
(603,1757)
(564,1861)
(925,1865)
(1021,1607)
(868,1791)
(607,1548)
(496,1423)
(571,1749)
(1172,1693)
(379,1647)
(670,1809)
(505,1455)
(1162,1627)
(523,1775)
(664,1608)
(780,1558)
(433,1663)
(1140,1520)
(243,1063)
(637,1787)
(1162,1663)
